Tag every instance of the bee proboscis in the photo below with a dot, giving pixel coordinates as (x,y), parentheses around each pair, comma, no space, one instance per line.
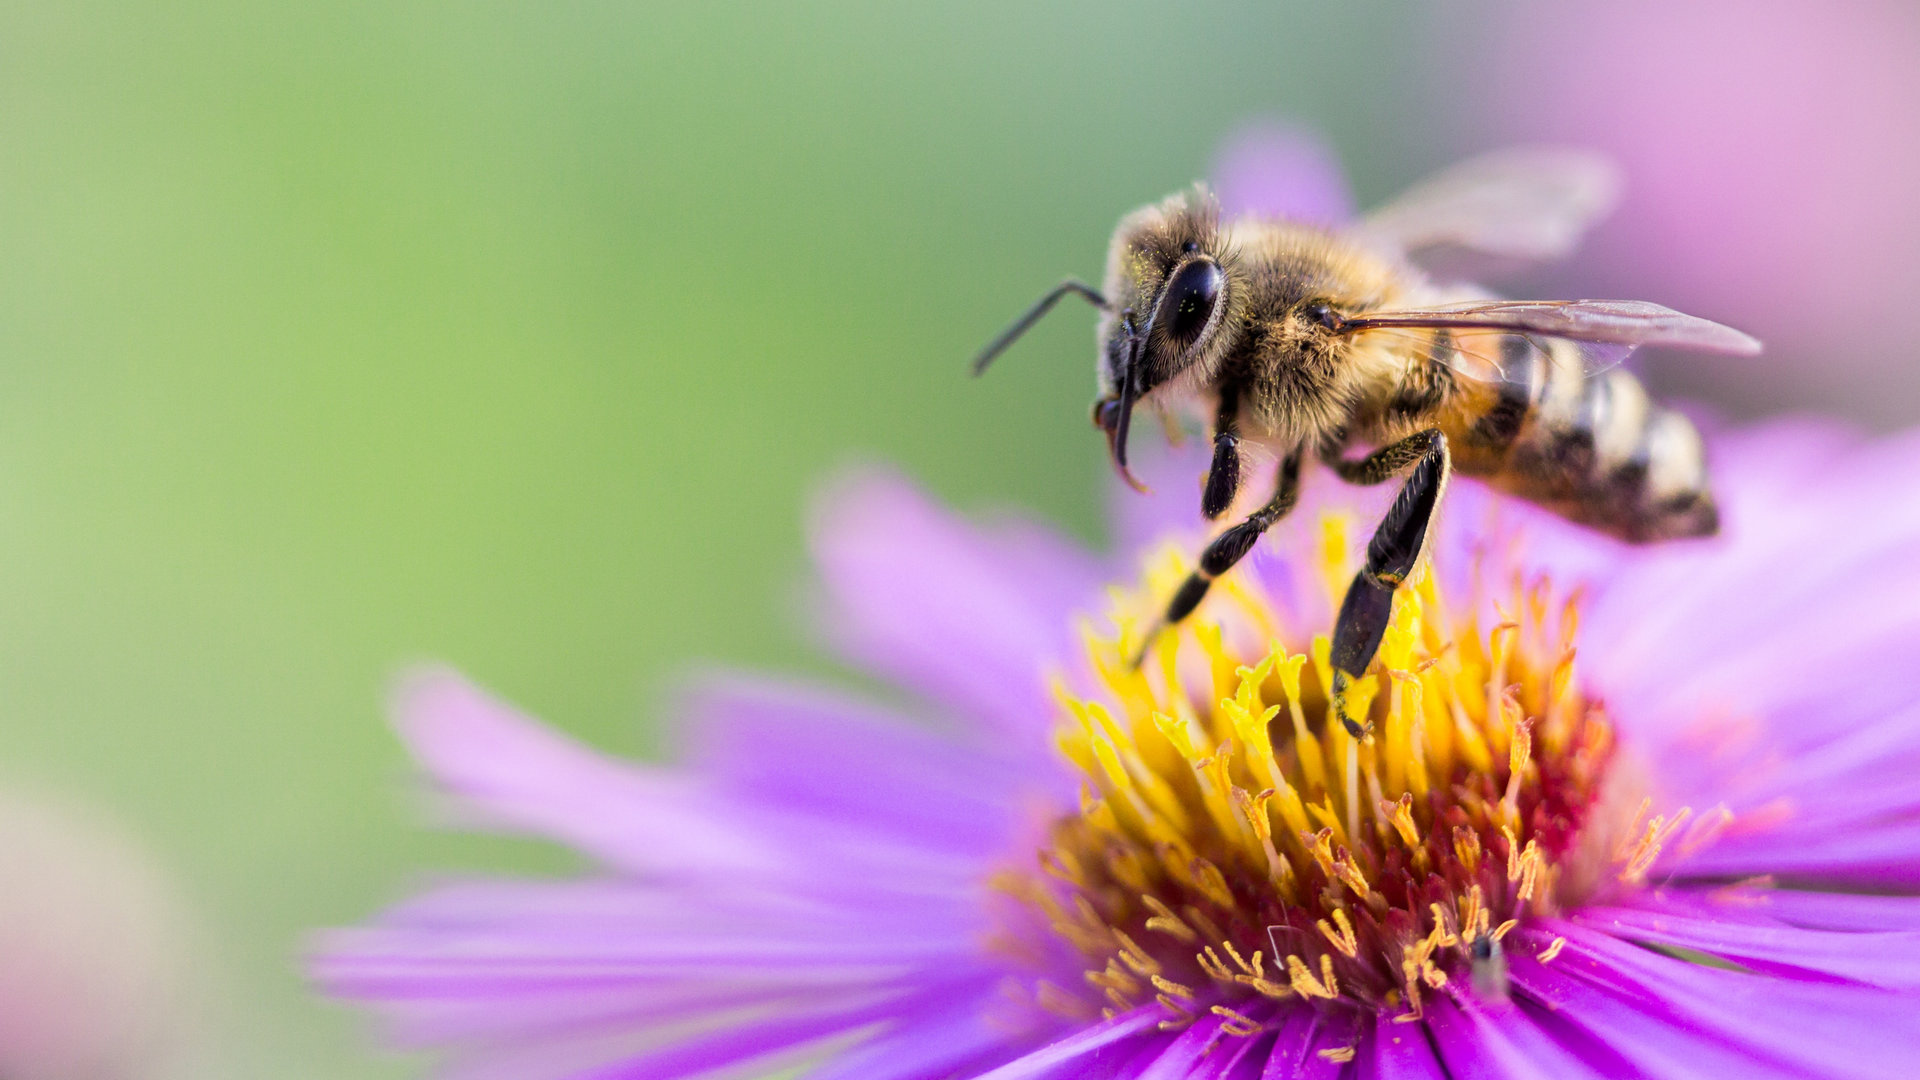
(1315,343)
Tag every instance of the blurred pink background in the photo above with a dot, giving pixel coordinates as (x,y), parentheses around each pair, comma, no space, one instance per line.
(1772,154)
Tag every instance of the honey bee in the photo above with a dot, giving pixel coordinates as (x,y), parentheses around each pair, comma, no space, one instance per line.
(1318,344)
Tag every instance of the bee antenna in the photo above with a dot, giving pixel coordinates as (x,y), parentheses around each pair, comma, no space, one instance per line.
(1025,322)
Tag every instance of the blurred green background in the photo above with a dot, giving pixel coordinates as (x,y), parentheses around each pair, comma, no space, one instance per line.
(334,337)
(515,335)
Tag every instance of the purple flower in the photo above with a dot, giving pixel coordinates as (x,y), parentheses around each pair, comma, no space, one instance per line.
(1689,847)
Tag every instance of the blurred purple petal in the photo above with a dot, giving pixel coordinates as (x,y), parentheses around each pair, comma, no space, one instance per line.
(808,751)
(967,618)
(1284,171)
(513,773)
(766,1043)
(1842,911)
(1086,1052)
(1885,855)
(935,1038)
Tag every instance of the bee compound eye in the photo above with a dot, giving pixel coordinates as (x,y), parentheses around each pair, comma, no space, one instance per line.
(1190,299)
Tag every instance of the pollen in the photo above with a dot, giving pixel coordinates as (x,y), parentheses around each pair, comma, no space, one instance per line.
(1233,848)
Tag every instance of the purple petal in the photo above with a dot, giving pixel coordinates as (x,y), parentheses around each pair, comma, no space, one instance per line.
(509,772)
(1651,1041)
(1204,1051)
(1477,1041)
(765,1041)
(951,1037)
(512,773)
(1890,960)
(619,1048)
(498,960)
(808,751)
(1670,1015)
(1842,911)
(967,618)
(1398,1050)
(1297,1052)
(1241,1059)
(1284,171)
(1190,1052)
(1094,1048)
(1884,855)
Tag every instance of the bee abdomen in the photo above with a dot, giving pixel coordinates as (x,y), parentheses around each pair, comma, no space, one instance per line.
(1601,452)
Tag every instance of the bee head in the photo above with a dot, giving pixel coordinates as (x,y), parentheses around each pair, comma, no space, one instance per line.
(1170,287)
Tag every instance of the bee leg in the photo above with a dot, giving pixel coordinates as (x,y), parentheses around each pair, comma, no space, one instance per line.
(1223,477)
(1392,555)
(1387,462)
(1227,549)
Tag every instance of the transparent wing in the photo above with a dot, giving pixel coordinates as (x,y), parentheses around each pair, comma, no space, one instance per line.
(1497,356)
(1632,323)
(1523,203)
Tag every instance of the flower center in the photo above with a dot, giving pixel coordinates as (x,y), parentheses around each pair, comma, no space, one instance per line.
(1233,847)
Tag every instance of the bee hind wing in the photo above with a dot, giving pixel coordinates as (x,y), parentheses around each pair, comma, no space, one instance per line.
(1531,203)
(1499,356)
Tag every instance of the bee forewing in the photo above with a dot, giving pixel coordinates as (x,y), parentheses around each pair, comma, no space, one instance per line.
(1524,203)
(1632,323)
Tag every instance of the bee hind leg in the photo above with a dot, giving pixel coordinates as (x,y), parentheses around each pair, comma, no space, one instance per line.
(1392,554)
(1227,549)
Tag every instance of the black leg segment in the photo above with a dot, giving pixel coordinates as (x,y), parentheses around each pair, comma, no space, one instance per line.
(1387,462)
(1392,555)
(1227,549)
(1402,534)
(1223,478)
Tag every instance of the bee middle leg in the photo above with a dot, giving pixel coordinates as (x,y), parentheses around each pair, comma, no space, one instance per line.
(1227,549)
(1392,554)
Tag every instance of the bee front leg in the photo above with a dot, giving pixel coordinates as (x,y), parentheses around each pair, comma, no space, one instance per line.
(1223,476)
(1227,549)
(1392,554)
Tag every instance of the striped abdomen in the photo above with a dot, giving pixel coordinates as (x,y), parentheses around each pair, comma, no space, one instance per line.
(1596,450)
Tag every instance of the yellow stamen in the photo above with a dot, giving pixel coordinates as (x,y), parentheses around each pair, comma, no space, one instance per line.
(1343,939)
(1235,1023)
(1230,823)
(1307,986)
